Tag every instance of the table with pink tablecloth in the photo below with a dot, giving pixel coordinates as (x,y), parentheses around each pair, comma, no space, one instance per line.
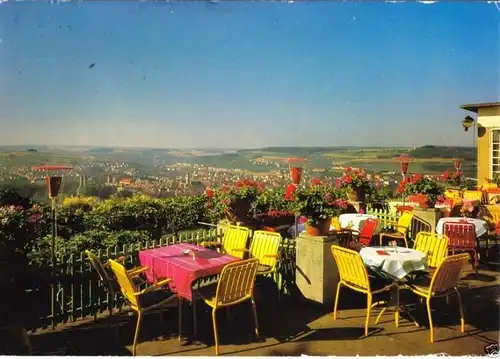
(182,268)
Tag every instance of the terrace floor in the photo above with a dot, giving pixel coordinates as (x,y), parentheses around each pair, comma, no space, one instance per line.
(296,327)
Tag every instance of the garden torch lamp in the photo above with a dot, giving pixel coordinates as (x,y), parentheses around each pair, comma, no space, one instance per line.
(54,184)
(405,162)
(296,177)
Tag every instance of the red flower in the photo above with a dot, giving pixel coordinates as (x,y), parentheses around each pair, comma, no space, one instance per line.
(316,182)
(209,192)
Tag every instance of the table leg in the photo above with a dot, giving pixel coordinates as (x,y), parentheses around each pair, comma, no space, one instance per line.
(193,303)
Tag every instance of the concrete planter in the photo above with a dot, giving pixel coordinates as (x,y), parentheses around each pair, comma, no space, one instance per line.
(430,215)
(317,274)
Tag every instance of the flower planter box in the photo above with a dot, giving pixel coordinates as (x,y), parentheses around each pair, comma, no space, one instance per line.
(267,220)
(422,200)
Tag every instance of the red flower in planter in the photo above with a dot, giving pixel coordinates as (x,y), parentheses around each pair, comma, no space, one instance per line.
(316,182)
(209,192)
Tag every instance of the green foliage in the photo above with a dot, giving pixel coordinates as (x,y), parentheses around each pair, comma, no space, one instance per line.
(467,153)
(270,200)
(417,184)
(319,202)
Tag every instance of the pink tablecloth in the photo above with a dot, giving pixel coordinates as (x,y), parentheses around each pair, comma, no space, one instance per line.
(170,262)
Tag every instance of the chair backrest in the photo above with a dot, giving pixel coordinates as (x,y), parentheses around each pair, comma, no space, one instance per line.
(235,237)
(490,213)
(368,230)
(236,282)
(126,285)
(461,235)
(266,243)
(351,267)
(404,222)
(101,270)
(336,223)
(448,273)
(434,245)
(471,195)
(452,193)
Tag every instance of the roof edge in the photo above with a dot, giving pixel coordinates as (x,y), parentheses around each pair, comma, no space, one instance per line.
(475,106)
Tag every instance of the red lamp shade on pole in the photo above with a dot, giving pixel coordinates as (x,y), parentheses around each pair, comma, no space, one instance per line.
(405,162)
(53,184)
(296,174)
(295,170)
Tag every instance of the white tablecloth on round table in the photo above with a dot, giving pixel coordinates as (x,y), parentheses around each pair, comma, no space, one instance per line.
(354,220)
(481,226)
(398,264)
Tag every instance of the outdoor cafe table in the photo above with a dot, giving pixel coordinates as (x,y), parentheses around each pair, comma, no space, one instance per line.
(354,221)
(397,264)
(481,226)
(183,269)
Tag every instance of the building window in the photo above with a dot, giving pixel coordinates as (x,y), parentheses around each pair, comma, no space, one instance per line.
(495,154)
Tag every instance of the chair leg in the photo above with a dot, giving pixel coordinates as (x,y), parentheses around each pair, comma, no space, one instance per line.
(429,314)
(396,315)
(461,308)
(136,336)
(214,320)
(195,322)
(254,310)
(179,302)
(337,295)
(368,311)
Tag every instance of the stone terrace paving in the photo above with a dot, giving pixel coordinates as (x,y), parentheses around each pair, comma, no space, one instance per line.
(295,327)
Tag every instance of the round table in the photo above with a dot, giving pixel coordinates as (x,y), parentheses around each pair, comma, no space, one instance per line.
(398,264)
(354,220)
(481,226)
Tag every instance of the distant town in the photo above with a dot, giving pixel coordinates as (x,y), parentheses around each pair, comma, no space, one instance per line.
(104,172)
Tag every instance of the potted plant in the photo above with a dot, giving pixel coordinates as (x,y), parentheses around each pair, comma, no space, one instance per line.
(236,201)
(453,179)
(319,204)
(272,209)
(20,226)
(356,183)
(421,190)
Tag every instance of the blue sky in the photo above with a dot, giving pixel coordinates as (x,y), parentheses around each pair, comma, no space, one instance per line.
(244,74)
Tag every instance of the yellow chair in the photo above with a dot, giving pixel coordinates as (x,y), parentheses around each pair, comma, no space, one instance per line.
(402,228)
(442,284)
(434,245)
(353,274)
(235,238)
(265,247)
(109,282)
(145,300)
(491,214)
(235,285)
(336,224)
(470,195)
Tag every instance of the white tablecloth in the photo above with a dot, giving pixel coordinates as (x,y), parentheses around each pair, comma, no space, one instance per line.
(398,264)
(481,226)
(354,220)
